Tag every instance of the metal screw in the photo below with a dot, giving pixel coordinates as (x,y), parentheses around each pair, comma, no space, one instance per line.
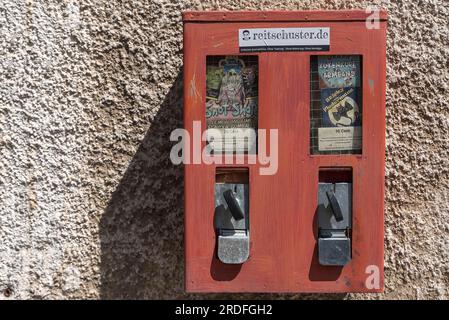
(7,292)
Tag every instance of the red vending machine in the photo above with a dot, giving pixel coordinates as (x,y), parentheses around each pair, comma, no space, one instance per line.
(284,114)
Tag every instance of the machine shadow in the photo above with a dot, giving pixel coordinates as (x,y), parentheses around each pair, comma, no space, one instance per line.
(141,230)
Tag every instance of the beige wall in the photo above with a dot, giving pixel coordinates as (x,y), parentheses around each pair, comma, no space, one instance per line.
(90,205)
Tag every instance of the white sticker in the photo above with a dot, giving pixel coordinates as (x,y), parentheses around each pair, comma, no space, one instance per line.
(284,39)
(339,138)
(230,140)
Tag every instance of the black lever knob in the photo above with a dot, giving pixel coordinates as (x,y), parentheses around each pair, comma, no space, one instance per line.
(334,205)
(233,205)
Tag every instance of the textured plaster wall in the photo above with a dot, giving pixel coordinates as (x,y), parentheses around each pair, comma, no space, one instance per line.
(90,205)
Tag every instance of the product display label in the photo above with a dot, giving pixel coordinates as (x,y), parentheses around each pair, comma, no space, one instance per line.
(341,114)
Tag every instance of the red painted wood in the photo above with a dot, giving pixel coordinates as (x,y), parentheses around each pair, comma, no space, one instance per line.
(267,16)
(283,229)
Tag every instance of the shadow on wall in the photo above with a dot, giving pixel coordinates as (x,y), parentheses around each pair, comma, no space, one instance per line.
(141,230)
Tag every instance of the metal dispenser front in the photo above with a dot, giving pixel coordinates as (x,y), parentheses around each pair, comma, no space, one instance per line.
(334,223)
(231,222)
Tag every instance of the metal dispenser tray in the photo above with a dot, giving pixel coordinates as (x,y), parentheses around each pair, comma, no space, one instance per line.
(231,222)
(334,223)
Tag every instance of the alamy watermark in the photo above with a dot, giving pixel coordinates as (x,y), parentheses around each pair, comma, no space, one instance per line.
(201,147)
(373,20)
(373,279)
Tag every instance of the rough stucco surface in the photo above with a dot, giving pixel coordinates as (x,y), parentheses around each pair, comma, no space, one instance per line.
(90,205)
